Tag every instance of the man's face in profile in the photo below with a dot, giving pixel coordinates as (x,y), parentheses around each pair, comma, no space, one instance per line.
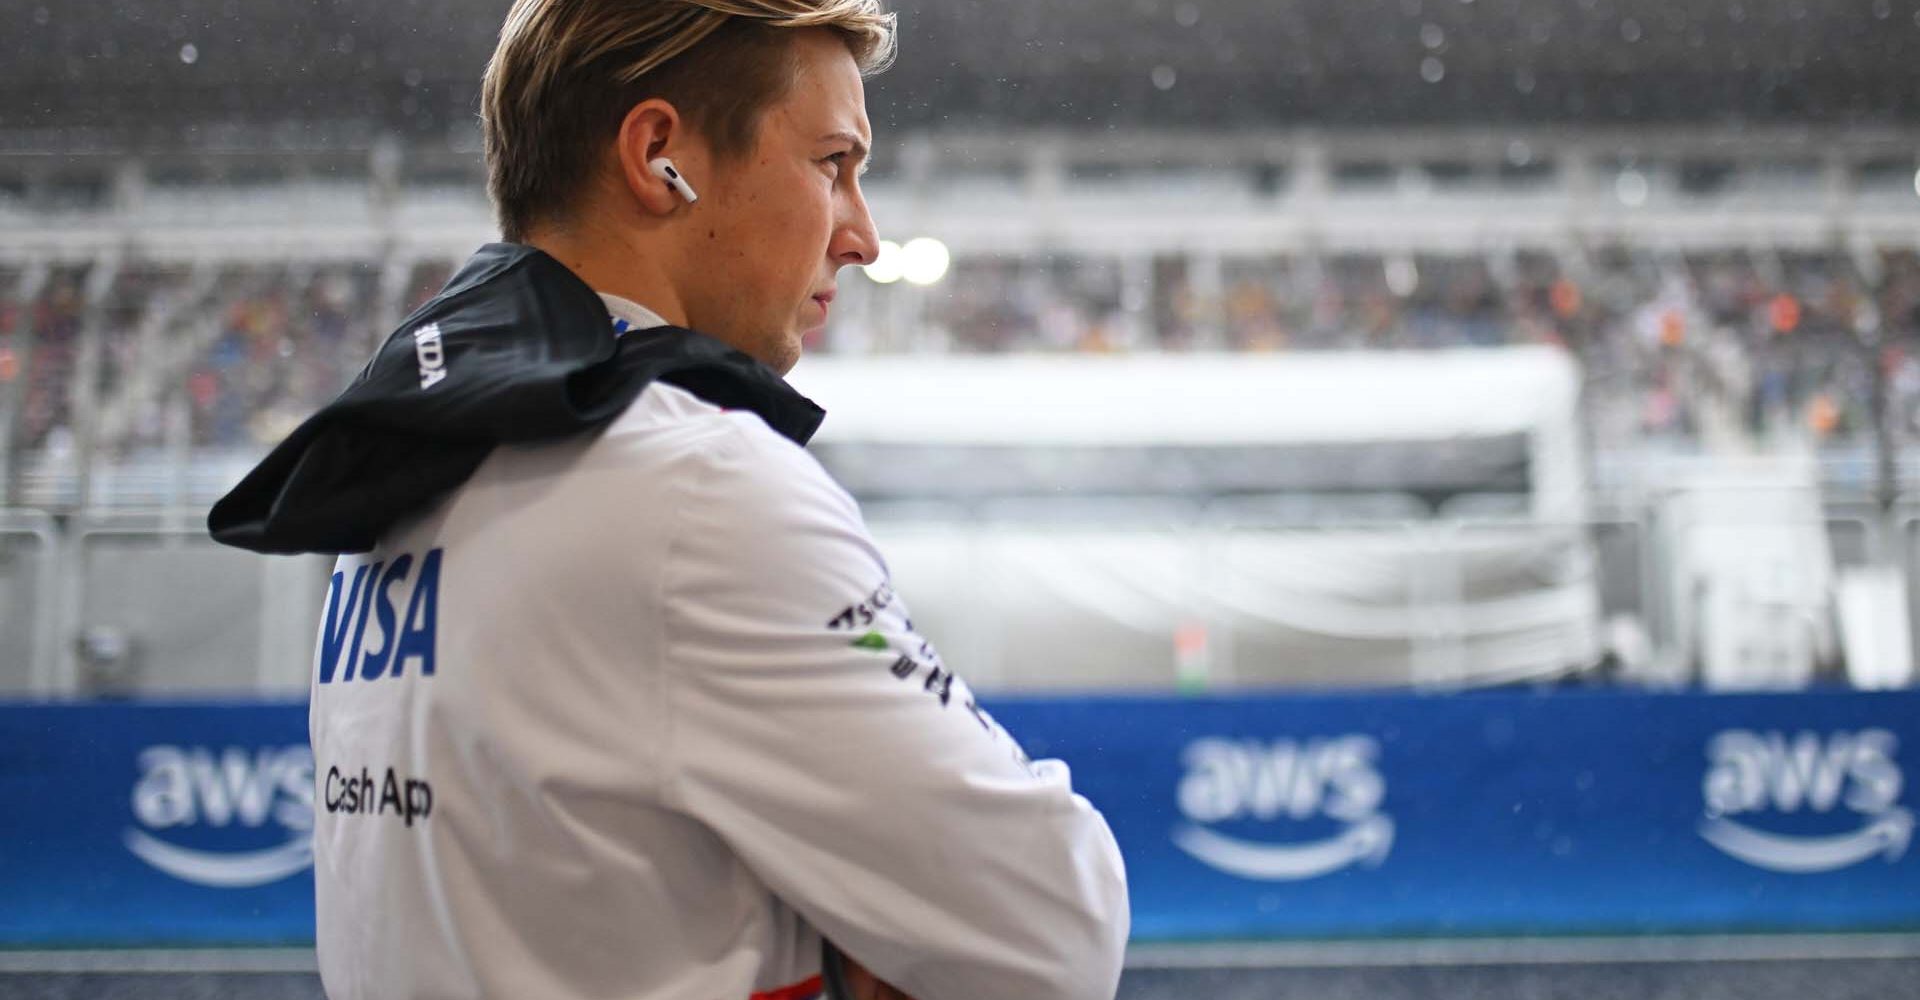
(783,220)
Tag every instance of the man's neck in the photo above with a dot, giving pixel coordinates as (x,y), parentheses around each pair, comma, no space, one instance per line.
(613,267)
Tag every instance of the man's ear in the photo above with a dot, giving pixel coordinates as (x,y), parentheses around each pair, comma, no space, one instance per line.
(653,128)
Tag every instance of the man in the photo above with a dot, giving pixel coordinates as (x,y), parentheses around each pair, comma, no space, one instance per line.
(613,696)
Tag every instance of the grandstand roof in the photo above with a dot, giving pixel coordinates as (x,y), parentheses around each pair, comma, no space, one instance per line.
(162,74)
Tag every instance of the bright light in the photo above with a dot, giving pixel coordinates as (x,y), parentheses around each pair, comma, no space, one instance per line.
(886,265)
(924,261)
(1916,182)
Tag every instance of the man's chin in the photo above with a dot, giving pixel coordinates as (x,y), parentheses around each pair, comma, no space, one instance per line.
(782,352)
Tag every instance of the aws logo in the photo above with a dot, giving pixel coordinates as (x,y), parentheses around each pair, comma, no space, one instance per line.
(1759,774)
(234,795)
(1236,781)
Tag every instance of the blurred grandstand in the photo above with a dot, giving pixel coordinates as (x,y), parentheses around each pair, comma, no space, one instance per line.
(211,215)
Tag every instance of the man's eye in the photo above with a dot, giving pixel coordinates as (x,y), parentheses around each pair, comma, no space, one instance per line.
(839,161)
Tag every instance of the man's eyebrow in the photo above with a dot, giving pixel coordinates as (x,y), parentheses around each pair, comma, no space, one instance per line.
(860,152)
(859,145)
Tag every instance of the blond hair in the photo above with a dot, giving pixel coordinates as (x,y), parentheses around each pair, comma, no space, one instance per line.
(566,72)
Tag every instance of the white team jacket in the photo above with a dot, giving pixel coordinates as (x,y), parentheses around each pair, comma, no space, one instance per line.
(640,716)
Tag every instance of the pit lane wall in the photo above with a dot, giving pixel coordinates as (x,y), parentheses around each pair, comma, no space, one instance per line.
(1241,817)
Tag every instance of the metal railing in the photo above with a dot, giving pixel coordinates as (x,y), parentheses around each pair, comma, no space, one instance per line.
(115,603)
(112,604)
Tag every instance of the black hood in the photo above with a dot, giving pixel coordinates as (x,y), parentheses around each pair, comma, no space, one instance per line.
(526,352)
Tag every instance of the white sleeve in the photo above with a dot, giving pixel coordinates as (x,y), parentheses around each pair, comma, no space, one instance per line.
(844,763)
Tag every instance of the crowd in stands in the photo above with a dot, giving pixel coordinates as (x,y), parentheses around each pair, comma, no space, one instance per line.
(232,357)
(1744,344)
(38,394)
(283,347)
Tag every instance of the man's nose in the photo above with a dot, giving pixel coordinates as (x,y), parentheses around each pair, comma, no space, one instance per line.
(856,241)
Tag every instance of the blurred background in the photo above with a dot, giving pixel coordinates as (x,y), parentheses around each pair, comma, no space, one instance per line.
(1491,418)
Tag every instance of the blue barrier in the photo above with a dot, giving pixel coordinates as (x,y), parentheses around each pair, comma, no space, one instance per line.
(129,825)
(1499,813)
(1306,816)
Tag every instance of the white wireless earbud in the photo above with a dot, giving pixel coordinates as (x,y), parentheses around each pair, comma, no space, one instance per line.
(663,168)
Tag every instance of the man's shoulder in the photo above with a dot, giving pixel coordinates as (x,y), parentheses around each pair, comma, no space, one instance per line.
(733,450)
(666,412)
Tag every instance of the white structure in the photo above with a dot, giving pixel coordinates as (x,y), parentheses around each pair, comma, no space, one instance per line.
(986,465)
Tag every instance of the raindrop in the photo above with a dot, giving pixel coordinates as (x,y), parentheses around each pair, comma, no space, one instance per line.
(1631,188)
(1519,153)
(189,54)
(41,16)
(1432,70)
(1882,9)
(1523,80)
(1164,77)
(1186,15)
(1431,36)
(413,76)
(1630,30)
(1737,13)
(1916,183)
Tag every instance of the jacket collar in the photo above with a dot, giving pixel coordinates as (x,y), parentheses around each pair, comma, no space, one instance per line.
(515,349)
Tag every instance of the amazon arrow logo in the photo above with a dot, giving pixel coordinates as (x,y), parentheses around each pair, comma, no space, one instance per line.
(1230,779)
(1887,836)
(1367,842)
(220,869)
